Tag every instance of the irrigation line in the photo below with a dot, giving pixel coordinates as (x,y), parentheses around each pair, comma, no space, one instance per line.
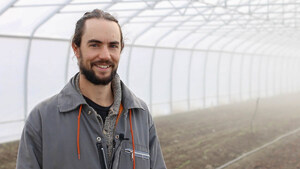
(257,149)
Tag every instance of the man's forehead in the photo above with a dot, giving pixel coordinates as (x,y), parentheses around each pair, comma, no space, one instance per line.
(101,26)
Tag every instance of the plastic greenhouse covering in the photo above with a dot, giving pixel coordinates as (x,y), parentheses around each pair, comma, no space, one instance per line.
(179,55)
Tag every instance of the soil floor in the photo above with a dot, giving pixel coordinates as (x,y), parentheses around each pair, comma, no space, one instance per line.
(210,138)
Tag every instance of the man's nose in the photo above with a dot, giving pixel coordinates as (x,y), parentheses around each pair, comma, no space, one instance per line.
(104,53)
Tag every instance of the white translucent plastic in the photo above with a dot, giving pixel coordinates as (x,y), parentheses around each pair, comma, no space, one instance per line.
(22,21)
(46,75)
(179,55)
(12,73)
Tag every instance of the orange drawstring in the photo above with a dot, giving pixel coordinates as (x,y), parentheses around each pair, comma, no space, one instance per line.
(132,137)
(120,111)
(78,132)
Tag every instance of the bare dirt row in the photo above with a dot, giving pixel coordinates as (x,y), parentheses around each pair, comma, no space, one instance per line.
(212,137)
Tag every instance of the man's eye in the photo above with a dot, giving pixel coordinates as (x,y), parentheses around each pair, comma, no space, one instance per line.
(93,45)
(114,46)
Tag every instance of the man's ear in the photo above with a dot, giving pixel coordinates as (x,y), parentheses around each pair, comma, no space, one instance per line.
(76,50)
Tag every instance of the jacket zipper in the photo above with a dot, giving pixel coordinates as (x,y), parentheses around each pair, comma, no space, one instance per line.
(140,154)
(101,153)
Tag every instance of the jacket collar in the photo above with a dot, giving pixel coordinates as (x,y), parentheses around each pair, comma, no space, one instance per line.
(129,100)
(70,97)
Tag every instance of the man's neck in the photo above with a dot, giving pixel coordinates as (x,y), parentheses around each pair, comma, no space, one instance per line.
(100,94)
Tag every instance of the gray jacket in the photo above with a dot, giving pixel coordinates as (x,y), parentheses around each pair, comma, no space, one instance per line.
(49,138)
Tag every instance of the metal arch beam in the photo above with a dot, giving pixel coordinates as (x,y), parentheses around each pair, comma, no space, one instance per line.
(290,78)
(190,60)
(294,69)
(297,67)
(144,46)
(284,52)
(250,46)
(281,68)
(199,7)
(131,9)
(10,4)
(69,50)
(79,3)
(67,64)
(219,59)
(172,65)
(204,68)
(154,50)
(219,62)
(251,71)
(287,67)
(253,17)
(157,21)
(268,55)
(284,83)
(235,48)
(249,37)
(136,13)
(241,75)
(174,28)
(260,13)
(197,21)
(280,53)
(142,32)
(298,72)
(264,41)
(241,62)
(271,46)
(290,70)
(28,55)
(204,75)
(276,76)
(152,5)
(205,60)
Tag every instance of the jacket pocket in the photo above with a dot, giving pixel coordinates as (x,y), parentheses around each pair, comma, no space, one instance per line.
(138,154)
(142,159)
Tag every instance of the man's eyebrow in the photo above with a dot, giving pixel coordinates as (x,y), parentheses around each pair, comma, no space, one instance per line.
(94,41)
(98,41)
(114,42)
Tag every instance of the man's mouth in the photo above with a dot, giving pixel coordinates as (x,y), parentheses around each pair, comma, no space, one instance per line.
(103,66)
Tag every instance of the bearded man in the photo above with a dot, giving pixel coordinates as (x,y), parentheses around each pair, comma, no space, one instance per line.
(95,122)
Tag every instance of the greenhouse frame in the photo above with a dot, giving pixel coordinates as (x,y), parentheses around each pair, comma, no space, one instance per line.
(179,55)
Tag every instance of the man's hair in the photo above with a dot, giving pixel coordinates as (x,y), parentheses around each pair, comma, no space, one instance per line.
(96,13)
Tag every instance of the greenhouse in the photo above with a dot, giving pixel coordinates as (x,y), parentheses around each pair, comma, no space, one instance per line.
(180,57)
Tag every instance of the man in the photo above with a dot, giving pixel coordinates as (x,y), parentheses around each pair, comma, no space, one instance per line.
(95,122)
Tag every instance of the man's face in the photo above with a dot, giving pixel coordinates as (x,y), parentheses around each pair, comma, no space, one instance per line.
(99,53)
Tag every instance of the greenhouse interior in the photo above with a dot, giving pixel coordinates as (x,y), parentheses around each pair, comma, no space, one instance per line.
(226,71)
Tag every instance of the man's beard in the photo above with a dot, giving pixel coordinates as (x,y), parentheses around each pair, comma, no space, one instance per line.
(90,75)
